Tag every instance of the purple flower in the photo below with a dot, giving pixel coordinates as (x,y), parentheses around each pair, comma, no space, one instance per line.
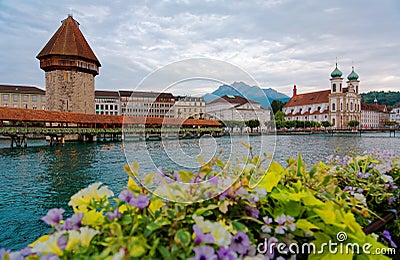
(53,216)
(267,228)
(204,253)
(252,212)
(62,242)
(359,175)
(391,200)
(226,254)
(73,223)
(367,175)
(214,180)
(141,202)
(113,215)
(49,257)
(281,221)
(240,243)
(290,223)
(126,195)
(386,235)
(201,237)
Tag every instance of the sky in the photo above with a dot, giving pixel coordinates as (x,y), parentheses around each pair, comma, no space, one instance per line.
(278,43)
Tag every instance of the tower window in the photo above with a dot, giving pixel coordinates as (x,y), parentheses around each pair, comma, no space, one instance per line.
(333,107)
(334,87)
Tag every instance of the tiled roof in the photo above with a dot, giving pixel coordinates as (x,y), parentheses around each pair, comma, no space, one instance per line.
(30,115)
(69,40)
(308,113)
(373,107)
(128,93)
(22,89)
(234,100)
(317,97)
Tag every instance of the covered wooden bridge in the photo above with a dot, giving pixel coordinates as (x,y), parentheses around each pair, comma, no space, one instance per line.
(20,124)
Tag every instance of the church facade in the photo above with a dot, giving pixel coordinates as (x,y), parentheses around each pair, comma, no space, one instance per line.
(339,105)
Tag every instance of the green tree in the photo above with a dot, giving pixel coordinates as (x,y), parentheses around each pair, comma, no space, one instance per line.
(280,115)
(326,123)
(253,123)
(353,123)
(276,105)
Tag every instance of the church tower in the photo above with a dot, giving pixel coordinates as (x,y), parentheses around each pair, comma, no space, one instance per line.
(70,67)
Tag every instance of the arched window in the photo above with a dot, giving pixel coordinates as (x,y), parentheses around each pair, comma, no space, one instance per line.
(351,106)
(340,87)
(333,107)
(341,106)
(334,87)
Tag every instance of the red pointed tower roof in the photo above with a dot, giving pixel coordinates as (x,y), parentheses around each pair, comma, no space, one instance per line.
(69,41)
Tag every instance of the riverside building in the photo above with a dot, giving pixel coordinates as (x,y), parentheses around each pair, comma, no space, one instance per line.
(339,105)
(22,97)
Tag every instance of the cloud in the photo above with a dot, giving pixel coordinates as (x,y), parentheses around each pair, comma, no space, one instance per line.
(279,42)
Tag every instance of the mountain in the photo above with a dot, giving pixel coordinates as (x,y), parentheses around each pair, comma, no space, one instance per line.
(390,98)
(252,93)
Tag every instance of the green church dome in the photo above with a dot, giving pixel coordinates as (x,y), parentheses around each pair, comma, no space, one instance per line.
(336,73)
(352,75)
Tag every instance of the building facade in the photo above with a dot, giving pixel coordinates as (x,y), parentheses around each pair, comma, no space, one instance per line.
(237,108)
(339,105)
(189,107)
(146,104)
(70,66)
(107,102)
(22,97)
(395,115)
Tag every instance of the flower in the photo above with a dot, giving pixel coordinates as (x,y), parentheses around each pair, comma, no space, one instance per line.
(267,228)
(221,236)
(226,253)
(113,215)
(252,212)
(73,239)
(126,195)
(240,243)
(290,223)
(53,216)
(81,200)
(201,237)
(86,235)
(62,242)
(204,252)
(386,178)
(386,235)
(73,223)
(141,202)
(360,198)
(49,246)
(281,221)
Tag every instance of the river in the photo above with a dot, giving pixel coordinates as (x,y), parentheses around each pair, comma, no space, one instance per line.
(38,178)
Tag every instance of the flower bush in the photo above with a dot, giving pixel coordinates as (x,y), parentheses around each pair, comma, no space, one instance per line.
(290,205)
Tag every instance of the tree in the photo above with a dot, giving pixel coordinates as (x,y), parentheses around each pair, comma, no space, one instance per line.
(353,123)
(253,123)
(280,116)
(276,105)
(326,123)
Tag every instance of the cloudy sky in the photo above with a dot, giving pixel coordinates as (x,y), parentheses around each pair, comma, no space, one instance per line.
(278,42)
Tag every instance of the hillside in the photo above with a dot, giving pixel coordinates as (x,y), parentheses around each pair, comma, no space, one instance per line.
(250,92)
(390,98)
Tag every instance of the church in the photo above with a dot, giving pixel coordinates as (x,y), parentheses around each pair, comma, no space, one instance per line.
(339,105)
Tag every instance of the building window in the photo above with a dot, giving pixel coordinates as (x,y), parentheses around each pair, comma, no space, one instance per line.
(340,87)
(34,98)
(16,97)
(333,107)
(5,97)
(334,87)
(25,98)
(43,99)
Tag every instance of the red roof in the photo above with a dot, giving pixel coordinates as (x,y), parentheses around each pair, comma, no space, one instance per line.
(373,107)
(317,97)
(69,40)
(30,115)
(308,113)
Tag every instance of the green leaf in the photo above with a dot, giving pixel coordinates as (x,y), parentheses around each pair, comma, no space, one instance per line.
(182,237)
(305,225)
(206,211)
(164,252)
(239,226)
(137,246)
(185,176)
(272,178)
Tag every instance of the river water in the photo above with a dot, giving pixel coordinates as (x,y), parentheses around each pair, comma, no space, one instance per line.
(38,178)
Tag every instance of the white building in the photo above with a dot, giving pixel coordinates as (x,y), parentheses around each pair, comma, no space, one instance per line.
(107,102)
(189,107)
(395,115)
(339,105)
(22,97)
(146,104)
(238,109)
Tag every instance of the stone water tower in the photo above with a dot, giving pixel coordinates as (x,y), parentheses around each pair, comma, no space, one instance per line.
(70,66)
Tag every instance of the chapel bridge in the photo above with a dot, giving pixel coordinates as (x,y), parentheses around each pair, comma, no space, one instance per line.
(21,124)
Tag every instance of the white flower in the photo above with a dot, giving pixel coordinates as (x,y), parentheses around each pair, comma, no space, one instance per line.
(360,198)
(386,178)
(221,236)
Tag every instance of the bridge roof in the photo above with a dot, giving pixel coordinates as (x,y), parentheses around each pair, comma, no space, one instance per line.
(30,115)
